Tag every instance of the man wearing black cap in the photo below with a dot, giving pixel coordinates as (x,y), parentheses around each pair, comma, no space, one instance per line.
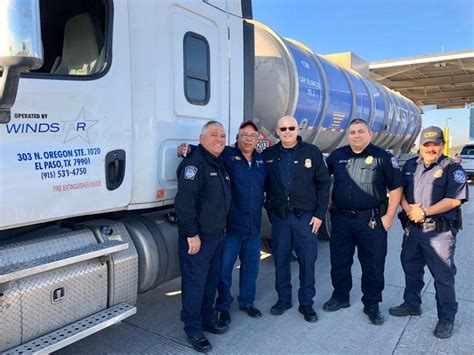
(247,171)
(435,187)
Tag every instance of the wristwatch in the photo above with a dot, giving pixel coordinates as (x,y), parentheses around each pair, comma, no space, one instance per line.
(423,213)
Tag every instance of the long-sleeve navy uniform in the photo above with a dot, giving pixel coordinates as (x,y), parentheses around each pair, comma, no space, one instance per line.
(297,190)
(202,205)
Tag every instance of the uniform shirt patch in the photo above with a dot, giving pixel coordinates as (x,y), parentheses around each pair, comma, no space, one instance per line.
(438,173)
(459,176)
(394,162)
(190,172)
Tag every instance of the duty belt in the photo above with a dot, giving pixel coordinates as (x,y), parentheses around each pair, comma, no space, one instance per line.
(355,214)
(441,225)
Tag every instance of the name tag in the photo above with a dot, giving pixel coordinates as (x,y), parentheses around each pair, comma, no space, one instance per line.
(213,174)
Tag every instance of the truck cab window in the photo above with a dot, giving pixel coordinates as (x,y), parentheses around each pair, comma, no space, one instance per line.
(196,69)
(75,35)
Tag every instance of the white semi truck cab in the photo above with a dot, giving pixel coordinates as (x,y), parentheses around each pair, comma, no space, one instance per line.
(95,95)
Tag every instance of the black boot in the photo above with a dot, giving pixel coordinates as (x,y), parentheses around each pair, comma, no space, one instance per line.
(334,305)
(280,307)
(443,329)
(200,343)
(404,310)
(374,314)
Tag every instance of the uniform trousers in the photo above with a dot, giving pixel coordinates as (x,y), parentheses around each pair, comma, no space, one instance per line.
(288,234)
(346,233)
(199,278)
(435,249)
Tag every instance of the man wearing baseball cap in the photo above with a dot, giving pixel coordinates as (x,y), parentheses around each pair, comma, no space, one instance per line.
(435,186)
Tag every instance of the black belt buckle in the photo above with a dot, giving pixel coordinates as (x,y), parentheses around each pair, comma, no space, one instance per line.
(353,214)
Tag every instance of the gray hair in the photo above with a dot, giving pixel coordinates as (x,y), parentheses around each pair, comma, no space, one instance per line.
(210,123)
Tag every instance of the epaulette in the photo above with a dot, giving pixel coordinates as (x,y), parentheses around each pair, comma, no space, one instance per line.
(448,161)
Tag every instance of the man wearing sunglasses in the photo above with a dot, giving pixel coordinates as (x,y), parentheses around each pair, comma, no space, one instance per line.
(361,216)
(297,191)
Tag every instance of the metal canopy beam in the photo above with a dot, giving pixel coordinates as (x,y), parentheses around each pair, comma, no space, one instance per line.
(445,80)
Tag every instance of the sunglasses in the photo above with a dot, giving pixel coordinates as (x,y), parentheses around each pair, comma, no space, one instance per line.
(283,129)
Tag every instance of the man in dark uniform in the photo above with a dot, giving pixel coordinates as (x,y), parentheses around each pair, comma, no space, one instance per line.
(361,216)
(297,197)
(435,187)
(202,205)
(247,171)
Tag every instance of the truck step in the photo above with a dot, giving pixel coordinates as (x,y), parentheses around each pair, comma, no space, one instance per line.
(21,270)
(76,331)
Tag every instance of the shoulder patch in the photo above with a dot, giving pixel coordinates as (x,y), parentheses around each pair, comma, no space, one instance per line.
(460,176)
(394,162)
(190,172)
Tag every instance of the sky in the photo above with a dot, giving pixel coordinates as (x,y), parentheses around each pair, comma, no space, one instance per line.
(379,30)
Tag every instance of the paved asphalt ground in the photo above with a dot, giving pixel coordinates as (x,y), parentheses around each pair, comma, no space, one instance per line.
(156,328)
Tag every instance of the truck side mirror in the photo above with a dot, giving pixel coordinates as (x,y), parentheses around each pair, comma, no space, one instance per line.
(20,48)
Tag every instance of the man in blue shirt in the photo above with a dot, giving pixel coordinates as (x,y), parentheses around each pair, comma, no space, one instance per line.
(435,187)
(247,171)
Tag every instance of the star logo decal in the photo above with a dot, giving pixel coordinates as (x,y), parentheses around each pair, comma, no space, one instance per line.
(79,127)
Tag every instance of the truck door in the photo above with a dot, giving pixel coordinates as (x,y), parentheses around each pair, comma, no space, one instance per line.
(66,150)
(180,82)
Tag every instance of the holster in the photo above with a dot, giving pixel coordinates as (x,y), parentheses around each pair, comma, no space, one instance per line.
(402,216)
(459,219)
(383,208)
